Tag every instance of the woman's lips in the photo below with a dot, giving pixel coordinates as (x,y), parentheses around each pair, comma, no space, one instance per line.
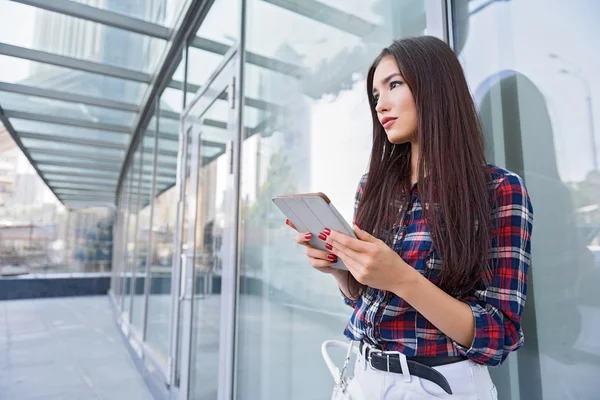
(388,122)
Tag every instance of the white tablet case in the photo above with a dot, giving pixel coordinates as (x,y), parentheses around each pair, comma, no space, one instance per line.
(311,213)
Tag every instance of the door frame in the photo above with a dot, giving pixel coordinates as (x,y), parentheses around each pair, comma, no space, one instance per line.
(223,79)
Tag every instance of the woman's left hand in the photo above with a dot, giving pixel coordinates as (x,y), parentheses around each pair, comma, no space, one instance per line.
(370,260)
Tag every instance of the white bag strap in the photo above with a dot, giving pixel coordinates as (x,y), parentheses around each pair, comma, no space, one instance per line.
(338,376)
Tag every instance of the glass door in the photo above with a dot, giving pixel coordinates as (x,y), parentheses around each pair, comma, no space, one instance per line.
(208,256)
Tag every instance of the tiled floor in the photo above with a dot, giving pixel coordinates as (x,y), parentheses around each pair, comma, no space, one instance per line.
(66,348)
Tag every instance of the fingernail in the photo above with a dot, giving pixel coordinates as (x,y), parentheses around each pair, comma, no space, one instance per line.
(287,221)
(308,236)
(327,231)
(329,247)
(357,226)
(322,237)
(332,257)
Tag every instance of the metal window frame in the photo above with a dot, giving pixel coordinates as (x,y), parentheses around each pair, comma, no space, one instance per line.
(81,165)
(327,15)
(68,97)
(187,26)
(65,191)
(34,151)
(150,239)
(74,63)
(100,16)
(84,187)
(77,178)
(80,123)
(61,139)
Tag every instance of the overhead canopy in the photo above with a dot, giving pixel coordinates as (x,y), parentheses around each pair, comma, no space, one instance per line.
(78,78)
(74,78)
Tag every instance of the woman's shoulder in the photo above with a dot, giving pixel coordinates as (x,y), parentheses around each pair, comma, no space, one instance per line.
(503,181)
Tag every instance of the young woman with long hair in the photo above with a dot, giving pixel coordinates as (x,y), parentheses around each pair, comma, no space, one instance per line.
(438,275)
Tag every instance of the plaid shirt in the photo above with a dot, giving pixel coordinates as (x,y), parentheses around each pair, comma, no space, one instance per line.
(385,320)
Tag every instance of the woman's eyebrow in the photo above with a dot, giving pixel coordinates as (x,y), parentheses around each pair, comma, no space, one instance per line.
(389,78)
(386,80)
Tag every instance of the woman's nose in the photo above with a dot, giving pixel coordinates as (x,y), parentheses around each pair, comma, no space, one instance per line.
(382,106)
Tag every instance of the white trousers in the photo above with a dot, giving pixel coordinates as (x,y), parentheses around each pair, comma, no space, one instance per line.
(468,381)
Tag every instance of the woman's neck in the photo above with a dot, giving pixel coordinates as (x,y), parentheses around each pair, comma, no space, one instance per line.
(414,163)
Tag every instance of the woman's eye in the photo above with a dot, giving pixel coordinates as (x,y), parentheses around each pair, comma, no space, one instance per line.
(376,98)
(395,84)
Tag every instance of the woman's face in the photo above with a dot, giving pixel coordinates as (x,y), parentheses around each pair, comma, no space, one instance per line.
(395,107)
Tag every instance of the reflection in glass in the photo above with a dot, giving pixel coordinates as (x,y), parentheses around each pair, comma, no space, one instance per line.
(164,219)
(81,83)
(73,37)
(537,119)
(156,11)
(143,229)
(311,131)
(43,106)
(206,253)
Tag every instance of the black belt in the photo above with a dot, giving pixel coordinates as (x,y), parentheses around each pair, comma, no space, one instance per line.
(417,366)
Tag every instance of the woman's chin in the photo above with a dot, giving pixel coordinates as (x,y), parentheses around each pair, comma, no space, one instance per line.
(395,138)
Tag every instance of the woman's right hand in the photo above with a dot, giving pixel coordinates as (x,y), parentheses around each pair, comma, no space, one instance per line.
(319,259)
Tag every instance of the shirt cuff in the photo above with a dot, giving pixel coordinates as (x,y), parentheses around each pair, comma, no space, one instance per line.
(347,300)
(477,323)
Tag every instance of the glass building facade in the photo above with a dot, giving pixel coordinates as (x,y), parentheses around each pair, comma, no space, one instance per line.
(238,101)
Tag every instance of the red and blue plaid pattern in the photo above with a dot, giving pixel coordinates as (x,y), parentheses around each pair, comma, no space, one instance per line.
(388,322)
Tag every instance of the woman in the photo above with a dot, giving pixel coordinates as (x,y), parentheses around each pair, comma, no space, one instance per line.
(438,275)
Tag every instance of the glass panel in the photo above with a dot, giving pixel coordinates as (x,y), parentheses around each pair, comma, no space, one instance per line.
(319,119)
(206,252)
(59,179)
(125,280)
(143,229)
(172,100)
(213,28)
(22,125)
(202,63)
(43,106)
(44,158)
(537,90)
(79,185)
(16,70)
(84,193)
(132,234)
(50,145)
(164,221)
(85,171)
(158,12)
(73,37)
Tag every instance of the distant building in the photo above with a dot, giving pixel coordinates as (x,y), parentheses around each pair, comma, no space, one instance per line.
(9,153)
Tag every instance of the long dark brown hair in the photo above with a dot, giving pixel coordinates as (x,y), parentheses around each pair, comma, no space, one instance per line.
(452,173)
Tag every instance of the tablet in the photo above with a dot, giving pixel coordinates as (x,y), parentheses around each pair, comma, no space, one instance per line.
(313,212)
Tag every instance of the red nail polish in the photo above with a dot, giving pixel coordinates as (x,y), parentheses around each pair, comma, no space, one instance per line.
(287,221)
(327,231)
(308,236)
(322,237)
(329,247)
(357,226)
(332,257)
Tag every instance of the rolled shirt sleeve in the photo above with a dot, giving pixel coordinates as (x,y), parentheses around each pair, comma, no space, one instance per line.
(497,309)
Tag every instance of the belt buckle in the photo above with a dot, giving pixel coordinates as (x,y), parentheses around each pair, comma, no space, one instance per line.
(387,358)
(387,355)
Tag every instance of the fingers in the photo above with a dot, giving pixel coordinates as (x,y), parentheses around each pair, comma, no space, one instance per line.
(319,263)
(289,223)
(311,252)
(348,242)
(363,235)
(303,238)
